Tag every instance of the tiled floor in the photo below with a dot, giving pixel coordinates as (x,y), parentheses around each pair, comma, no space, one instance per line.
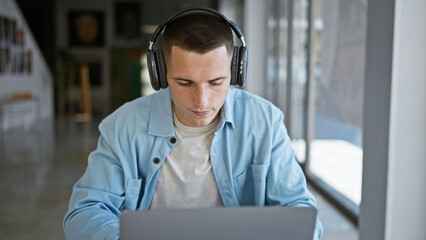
(39,167)
(336,226)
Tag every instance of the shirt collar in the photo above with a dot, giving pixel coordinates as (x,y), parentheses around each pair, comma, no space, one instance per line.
(161,116)
(227,112)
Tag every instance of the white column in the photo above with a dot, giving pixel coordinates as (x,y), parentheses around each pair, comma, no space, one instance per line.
(255,20)
(406,195)
(394,170)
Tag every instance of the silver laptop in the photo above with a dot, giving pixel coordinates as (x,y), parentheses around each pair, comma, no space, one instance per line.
(249,223)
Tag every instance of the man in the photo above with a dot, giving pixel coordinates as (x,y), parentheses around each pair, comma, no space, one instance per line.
(195,143)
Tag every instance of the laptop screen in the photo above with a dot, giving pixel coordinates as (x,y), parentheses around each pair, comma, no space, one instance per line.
(249,223)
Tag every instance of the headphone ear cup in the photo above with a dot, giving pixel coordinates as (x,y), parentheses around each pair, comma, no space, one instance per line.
(162,72)
(234,66)
(153,70)
(242,67)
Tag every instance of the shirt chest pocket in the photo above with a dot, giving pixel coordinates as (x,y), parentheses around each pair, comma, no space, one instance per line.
(133,192)
(250,185)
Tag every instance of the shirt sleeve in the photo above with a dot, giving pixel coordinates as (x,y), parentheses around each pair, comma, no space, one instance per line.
(95,203)
(286,183)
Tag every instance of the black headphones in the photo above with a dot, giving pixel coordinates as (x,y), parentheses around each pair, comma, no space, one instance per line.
(157,65)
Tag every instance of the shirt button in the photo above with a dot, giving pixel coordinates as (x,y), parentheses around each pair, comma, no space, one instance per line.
(156,160)
(173,140)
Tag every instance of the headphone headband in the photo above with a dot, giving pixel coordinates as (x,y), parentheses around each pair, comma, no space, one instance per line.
(230,23)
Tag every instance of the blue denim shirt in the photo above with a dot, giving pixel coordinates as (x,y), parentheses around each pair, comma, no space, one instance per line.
(251,156)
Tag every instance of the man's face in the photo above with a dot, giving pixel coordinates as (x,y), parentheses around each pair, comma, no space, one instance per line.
(198,84)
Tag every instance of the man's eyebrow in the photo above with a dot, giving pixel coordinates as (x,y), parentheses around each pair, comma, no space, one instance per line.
(218,78)
(182,79)
(189,80)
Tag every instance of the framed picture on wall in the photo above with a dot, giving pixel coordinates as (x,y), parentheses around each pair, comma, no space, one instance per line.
(17,55)
(1,29)
(86,28)
(2,67)
(29,61)
(13,31)
(127,19)
(6,36)
(6,60)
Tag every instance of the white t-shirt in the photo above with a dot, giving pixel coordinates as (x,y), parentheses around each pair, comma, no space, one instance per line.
(186,178)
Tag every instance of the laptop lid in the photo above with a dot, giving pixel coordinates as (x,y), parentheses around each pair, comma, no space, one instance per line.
(249,223)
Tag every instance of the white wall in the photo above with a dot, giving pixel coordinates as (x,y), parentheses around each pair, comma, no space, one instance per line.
(40,81)
(406,194)
(394,179)
(255,20)
(234,11)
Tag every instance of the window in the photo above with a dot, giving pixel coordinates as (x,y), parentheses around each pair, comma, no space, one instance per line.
(338,72)
(326,131)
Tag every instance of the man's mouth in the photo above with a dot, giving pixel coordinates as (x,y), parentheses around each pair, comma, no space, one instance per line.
(201,113)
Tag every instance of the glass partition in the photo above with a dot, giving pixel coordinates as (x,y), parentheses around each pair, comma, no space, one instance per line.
(336,150)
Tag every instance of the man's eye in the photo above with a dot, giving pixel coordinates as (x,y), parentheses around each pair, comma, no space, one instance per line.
(216,83)
(184,83)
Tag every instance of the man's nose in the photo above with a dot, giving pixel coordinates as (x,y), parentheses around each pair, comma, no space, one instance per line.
(201,97)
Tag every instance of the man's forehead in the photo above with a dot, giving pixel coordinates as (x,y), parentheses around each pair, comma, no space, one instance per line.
(176,47)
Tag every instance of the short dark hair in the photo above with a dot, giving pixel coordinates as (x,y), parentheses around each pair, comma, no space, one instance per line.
(197,32)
